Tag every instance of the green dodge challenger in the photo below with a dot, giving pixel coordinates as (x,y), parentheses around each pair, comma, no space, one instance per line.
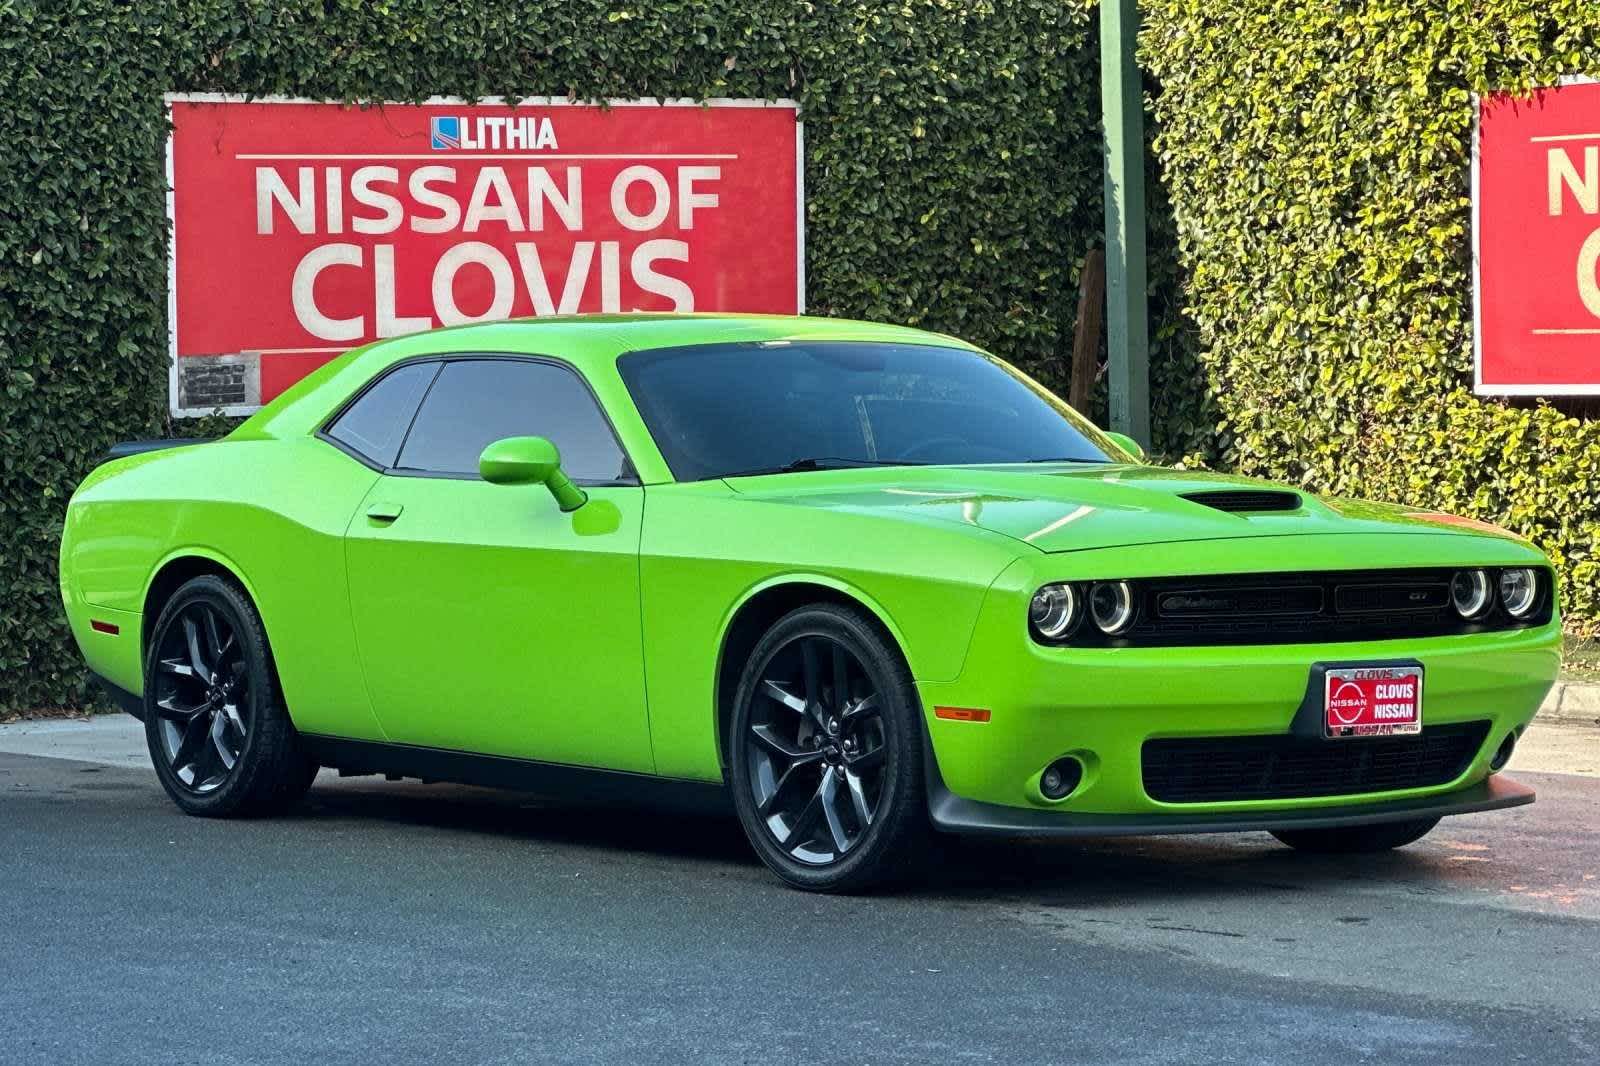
(863,581)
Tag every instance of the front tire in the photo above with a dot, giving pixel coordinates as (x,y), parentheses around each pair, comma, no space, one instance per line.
(218,733)
(826,753)
(1357,839)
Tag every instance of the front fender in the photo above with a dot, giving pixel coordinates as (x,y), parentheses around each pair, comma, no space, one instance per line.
(706,552)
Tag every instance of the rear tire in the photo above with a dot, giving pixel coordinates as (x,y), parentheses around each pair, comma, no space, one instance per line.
(1357,839)
(215,723)
(826,754)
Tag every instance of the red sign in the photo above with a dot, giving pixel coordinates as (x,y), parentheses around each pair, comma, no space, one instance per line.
(1373,701)
(1536,242)
(303,229)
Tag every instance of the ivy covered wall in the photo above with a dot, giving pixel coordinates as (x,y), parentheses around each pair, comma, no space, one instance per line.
(1317,160)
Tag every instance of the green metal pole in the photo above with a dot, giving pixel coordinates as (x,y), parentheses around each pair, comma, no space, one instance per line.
(1127,301)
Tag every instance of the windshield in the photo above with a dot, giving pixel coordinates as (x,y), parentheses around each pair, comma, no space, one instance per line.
(721,410)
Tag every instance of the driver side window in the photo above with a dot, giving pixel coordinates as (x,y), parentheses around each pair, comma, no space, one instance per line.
(474,402)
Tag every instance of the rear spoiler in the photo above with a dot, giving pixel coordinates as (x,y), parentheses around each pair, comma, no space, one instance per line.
(123,449)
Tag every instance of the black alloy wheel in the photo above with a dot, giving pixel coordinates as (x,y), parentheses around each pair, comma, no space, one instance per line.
(816,750)
(201,685)
(219,735)
(826,752)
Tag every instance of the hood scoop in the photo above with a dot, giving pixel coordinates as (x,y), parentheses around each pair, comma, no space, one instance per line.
(1247,501)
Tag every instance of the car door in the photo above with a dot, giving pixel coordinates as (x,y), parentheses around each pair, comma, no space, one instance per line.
(487,619)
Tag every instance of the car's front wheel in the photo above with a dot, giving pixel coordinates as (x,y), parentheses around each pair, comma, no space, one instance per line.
(825,753)
(1357,839)
(218,733)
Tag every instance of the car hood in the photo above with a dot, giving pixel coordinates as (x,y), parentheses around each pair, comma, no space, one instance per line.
(1075,506)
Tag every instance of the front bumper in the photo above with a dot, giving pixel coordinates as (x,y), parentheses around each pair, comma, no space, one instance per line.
(1102,713)
(1101,706)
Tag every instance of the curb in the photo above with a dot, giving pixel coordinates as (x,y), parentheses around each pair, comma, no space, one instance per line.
(1572,701)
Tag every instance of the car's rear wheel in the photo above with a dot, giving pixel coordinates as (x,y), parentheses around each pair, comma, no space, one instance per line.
(1357,839)
(825,753)
(218,733)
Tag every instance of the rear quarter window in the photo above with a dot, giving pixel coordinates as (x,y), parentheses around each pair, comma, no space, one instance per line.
(375,424)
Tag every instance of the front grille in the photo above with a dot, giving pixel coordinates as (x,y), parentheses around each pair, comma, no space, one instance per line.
(1317,607)
(1220,769)
(1247,501)
(1295,608)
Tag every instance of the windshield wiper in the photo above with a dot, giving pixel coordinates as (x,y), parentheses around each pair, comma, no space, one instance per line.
(820,462)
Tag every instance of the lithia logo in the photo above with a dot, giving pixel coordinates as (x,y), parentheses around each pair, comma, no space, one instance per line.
(471,132)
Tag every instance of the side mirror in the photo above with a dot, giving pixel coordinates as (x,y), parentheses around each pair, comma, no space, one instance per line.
(1127,444)
(530,461)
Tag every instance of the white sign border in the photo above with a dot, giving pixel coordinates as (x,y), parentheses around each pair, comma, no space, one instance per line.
(1478,386)
(168,99)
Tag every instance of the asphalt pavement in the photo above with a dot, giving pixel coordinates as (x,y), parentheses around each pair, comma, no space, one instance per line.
(397,922)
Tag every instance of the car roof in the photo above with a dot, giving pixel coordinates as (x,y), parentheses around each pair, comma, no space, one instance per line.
(590,343)
(586,339)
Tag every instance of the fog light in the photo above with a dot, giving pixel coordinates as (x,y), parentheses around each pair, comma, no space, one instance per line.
(1519,591)
(1111,604)
(1504,753)
(1060,778)
(1470,592)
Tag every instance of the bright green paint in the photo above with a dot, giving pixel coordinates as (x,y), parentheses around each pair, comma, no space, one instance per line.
(483,617)
(131,516)
(470,617)
(530,461)
(1127,444)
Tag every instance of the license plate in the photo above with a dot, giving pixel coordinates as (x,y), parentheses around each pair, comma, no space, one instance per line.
(1372,701)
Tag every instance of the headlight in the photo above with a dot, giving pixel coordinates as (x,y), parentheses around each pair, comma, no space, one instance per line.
(1470,592)
(1054,612)
(1519,591)
(1111,605)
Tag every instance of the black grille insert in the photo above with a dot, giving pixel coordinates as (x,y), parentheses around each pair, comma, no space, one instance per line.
(1316,607)
(1244,601)
(1220,769)
(1246,501)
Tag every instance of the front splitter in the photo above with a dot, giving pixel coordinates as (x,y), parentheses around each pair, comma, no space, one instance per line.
(953,814)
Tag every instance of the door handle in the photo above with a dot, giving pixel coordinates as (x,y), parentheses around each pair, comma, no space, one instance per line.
(384,512)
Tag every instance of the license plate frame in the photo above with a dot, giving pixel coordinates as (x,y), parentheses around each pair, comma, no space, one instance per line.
(1372,700)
